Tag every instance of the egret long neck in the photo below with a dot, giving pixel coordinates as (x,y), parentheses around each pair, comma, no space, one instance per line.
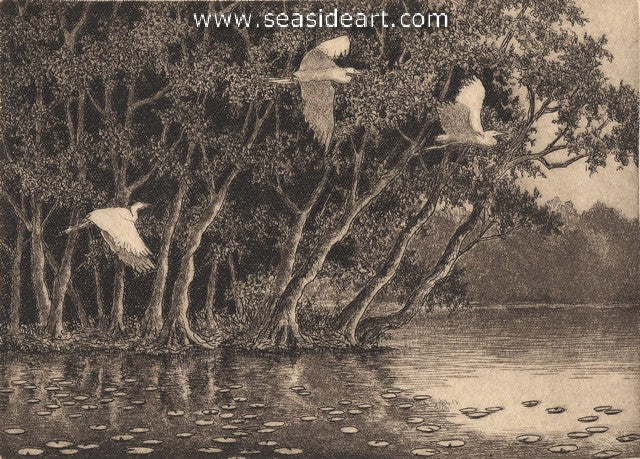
(134,211)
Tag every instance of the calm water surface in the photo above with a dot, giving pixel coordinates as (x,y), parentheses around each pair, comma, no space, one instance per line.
(572,358)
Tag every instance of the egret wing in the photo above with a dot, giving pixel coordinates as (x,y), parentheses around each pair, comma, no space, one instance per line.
(336,47)
(318,97)
(454,119)
(472,95)
(322,56)
(138,263)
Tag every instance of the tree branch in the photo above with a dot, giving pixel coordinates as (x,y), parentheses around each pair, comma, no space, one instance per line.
(16,209)
(285,197)
(148,100)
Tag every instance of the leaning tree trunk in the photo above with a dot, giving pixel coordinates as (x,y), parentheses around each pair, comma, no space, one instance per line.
(16,282)
(350,316)
(210,300)
(43,301)
(61,282)
(282,330)
(176,329)
(152,321)
(371,329)
(97,279)
(289,249)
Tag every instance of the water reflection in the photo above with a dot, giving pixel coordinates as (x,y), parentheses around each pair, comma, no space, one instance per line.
(489,358)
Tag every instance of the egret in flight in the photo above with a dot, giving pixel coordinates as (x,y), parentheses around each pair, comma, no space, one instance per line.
(461,120)
(316,73)
(117,225)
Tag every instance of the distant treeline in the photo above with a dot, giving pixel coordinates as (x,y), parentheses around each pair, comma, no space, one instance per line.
(595,259)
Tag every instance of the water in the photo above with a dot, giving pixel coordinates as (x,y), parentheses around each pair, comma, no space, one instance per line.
(572,358)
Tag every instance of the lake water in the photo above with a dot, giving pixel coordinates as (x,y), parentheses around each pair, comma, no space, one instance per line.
(572,358)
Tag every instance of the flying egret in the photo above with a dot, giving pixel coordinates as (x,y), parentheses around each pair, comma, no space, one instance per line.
(117,225)
(461,120)
(316,73)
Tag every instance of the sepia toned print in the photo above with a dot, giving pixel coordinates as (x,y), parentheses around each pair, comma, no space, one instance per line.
(265,229)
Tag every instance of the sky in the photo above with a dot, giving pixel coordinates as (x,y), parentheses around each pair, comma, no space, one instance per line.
(618,20)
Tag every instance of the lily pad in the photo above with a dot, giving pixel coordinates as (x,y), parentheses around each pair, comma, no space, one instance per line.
(337,418)
(355,411)
(74,415)
(326,408)
(562,448)
(226,415)
(204,422)
(588,419)
(345,402)
(139,451)
(468,410)
(423,452)
(578,434)
(7,390)
(151,388)
(69,451)
(139,430)
(137,402)
(597,429)
(59,444)
(89,407)
(477,414)
(250,416)
(530,438)
(607,454)
(98,427)
(14,431)
(228,407)
(30,452)
(415,420)
(33,401)
(555,410)
(266,430)
(378,443)
(530,403)
(210,450)
(80,398)
(388,395)
(43,413)
(421,397)
(628,438)
(235,386)
(304,393)
(124,437)
(451,443)
(613,411)
(184,435)
(336,412)
(52,406)
(240,399)
(224,440)
(267,443)
(288,451)
(175,413)
(210,412)
(393,390)
(349,430)
(151,442)
(494,409)
(273,424)
(428,428)
(365,406)
(87,446)
(309,418)
(405,406)
(256,405)
(602,408)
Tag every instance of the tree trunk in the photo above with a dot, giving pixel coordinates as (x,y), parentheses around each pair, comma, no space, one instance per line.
(152,322)
(43,301)
(61,282)
(63,274)
(116,327)
(212,289)
(370,330)
(289,249)
(16,282)
(233,279)
(282,328)
(176,329)
(351,315)
(97,278)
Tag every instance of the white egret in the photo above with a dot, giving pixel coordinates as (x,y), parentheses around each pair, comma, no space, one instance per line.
(117,225)
(316,73)
(461,120)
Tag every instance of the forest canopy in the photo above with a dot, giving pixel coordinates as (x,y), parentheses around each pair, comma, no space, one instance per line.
(106,104)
